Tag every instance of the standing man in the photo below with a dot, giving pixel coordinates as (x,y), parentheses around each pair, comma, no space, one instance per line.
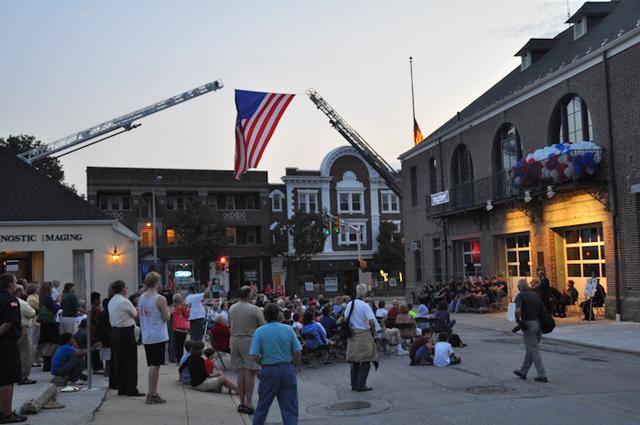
(528,311)
(244,319)
(544,288)
(124,350)
(361,346)
(27,320)
(154,315)
(10,330)
(55,294)
(197,313)
(276,347)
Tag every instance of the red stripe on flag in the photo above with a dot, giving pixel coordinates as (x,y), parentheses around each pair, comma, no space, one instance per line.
(251,124)
(255,145)
(287,100)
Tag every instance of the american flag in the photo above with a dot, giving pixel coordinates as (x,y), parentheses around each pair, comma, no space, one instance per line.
(258,116)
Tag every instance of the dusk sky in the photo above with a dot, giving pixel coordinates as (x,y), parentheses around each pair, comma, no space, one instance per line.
(69,65)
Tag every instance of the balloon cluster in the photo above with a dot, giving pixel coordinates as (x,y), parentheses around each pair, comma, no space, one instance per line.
(557,163)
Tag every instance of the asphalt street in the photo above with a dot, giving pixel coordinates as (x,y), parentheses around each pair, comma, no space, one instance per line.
(587,386)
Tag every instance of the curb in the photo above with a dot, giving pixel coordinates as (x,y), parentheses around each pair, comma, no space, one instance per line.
(551,338)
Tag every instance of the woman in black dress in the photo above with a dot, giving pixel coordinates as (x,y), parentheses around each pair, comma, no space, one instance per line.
(49,328)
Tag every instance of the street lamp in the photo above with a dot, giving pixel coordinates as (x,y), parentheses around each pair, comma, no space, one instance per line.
(158,180)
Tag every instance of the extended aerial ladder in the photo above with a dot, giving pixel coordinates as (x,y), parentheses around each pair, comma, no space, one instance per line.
(115,126)
(390,176)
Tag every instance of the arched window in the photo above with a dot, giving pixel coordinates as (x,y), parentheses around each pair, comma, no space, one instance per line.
(414,186)
(506,151)
(433,176)
(507,148)
(572,121)
(461,166)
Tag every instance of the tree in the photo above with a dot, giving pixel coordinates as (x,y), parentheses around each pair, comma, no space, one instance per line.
(306,231)
(390,255)
(202,235)
(50,166)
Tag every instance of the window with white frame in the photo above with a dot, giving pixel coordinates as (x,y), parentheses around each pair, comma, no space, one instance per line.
(352,233)
(585,251)
(350,202)
(276,201)
(177,202)
(518,255)
(390,203)
(308,201)
(115,202)
(471,256)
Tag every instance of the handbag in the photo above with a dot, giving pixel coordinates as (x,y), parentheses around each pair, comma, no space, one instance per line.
(345,327)
(547,324)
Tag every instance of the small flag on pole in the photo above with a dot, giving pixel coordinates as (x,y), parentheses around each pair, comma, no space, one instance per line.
(258,116)
(417,134)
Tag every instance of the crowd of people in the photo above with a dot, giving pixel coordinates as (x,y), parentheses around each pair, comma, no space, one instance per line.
(265,334)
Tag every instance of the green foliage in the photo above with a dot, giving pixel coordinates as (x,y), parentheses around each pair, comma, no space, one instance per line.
(22,143)
(202,235)
(390,255)
(307,232)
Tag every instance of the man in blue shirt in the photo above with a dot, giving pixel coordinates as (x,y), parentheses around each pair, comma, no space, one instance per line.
(277,349)
(68,361)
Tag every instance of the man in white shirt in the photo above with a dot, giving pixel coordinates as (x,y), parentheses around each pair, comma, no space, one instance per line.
(361,346)
(381,312)
(197,313)
(124,350)
(55,294)
(443,353)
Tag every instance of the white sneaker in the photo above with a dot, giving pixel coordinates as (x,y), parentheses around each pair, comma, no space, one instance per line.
(401,351)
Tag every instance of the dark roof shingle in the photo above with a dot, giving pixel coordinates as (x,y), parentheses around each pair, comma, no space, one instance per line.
(26,194)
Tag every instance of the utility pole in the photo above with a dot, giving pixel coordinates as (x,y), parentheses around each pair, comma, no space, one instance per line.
(153,219)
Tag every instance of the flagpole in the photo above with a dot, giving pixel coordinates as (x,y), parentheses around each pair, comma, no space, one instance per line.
(413,103)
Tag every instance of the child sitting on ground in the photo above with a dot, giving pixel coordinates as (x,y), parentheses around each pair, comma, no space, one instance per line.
(184,376)
(444,355)
(208,360)
(421,349)
(198,372)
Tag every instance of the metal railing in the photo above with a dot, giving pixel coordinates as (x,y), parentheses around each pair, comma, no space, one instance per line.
(502,186)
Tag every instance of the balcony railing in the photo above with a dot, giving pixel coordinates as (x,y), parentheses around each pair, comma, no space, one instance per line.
(502,186)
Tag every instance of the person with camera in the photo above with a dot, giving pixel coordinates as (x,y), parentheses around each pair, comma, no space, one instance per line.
(528,314)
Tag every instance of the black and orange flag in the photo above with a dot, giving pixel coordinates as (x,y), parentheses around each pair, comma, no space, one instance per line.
(417,134)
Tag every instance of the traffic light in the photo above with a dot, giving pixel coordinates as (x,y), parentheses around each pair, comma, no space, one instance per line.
(336,223)
(222,265)
(326,229)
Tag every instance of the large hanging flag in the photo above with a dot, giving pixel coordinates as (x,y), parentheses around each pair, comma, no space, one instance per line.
(258,116)
(417,134)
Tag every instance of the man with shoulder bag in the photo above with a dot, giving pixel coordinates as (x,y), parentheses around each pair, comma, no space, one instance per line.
(361,347)
(530,311)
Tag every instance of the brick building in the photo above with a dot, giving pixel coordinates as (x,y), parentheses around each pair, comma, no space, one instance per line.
(347,186)
(243,207)
(468,209)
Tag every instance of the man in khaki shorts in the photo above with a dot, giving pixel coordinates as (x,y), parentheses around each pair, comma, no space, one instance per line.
(244,319)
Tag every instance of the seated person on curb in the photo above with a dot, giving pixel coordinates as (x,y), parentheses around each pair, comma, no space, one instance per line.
(200,380)
(421,352)
(185,377)
(68,361)
(444,355)
(313,334)
(392,336)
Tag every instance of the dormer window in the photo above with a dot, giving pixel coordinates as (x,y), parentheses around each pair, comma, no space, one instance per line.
(580,28)
(526,61)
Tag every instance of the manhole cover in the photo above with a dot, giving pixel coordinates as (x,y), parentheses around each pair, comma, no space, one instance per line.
(487,390)
(349,405)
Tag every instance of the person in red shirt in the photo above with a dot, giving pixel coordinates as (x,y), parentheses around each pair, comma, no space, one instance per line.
(208,361)
(220,334)
(395,309)
(268,291)
(179,324)
(279,291)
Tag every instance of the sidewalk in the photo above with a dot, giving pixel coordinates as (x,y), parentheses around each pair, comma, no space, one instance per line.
(184,405)
(79,406)
(604,334)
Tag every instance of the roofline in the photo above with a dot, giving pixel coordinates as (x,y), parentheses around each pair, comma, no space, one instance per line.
(612,48)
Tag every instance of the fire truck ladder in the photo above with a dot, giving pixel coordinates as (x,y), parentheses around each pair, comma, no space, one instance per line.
(123,123)
(390,176)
